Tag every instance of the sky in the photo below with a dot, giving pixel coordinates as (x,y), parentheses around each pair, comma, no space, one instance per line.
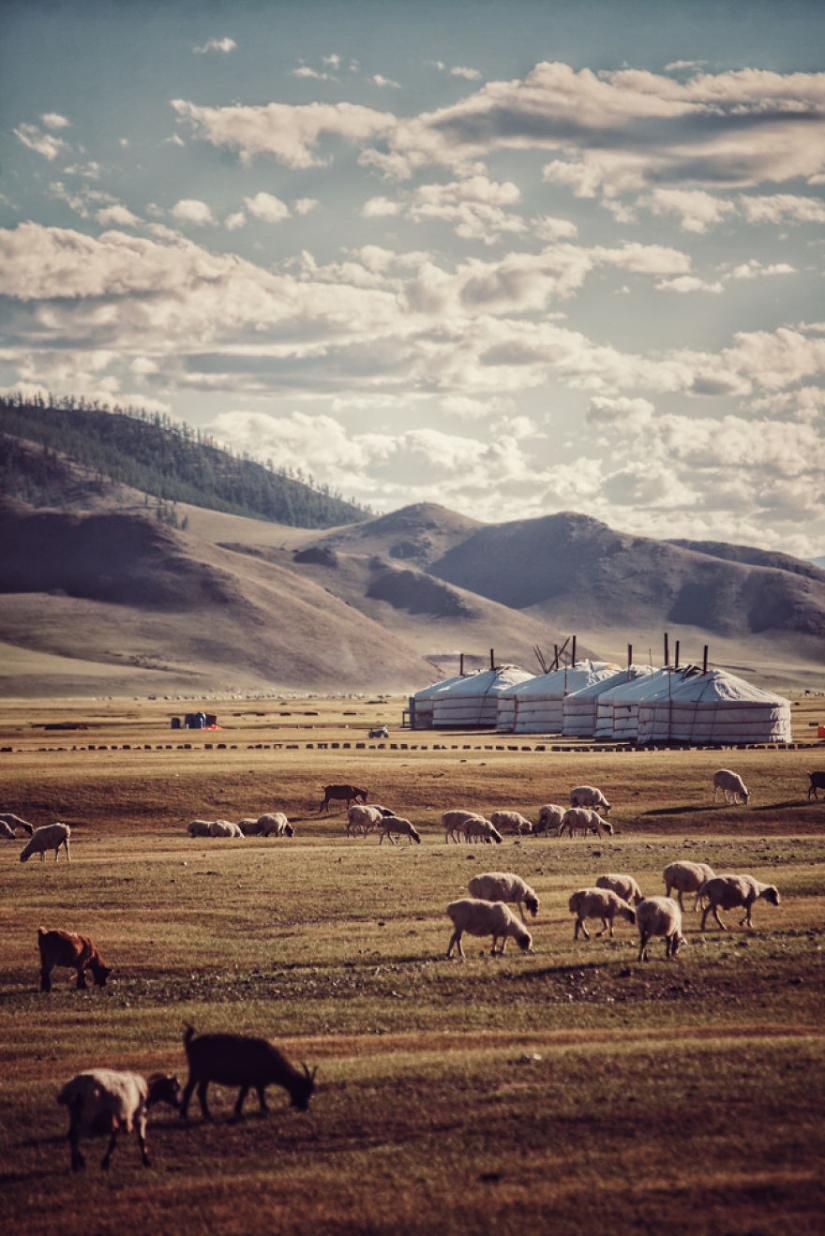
(512,256)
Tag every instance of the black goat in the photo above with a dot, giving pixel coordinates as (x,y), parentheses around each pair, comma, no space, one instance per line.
(240,1060)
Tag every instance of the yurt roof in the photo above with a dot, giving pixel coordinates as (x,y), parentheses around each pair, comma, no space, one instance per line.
(628,675)
(427,693)
(648,687)
(719,687)
(486,682)
(561,682)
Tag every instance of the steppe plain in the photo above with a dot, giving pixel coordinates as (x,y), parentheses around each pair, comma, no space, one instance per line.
(569,1090)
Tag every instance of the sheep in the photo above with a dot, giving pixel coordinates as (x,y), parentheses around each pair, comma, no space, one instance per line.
(9,823)
(249,826)
(49,837)
(198,828)
(504,886)
(243,1061)
(600,903)
(402,828)
(512,822)
(623,885)
(731,785)
(486,918)
(350,793)
(686,877)
(589,796)
(364,819)
(79,953)
(224,828)
(584,819)
(106,1101)
(727,892)
(7,832)
(274,823)
(477,828)
(659,916)
(816,779)
(453,822)
(550,816)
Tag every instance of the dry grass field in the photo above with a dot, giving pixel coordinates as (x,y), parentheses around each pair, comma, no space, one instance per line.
(572,1089)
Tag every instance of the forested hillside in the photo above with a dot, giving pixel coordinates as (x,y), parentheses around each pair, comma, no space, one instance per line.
(156,455)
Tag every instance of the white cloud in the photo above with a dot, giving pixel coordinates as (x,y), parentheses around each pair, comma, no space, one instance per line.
(190,210)
(470,75)
(696,209)
(377,207)
(41,143)
(235,221)
(753,269)
(267,208)
(224,45)
(385,82)
(304,205)
(333,61)
(53,120)
(782,208)
(118,216)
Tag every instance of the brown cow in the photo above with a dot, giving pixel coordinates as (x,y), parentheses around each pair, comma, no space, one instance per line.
(349,792)
(62,948)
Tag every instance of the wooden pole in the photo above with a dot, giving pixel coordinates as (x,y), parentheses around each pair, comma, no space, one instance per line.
(461,664)
(676,660)
(573,662)
(667,651)
(705,660)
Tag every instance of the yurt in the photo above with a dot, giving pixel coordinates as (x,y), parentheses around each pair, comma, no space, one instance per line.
(715,707)
(421,704)
(473,699)
(537,705)
(580,709)
(618,709)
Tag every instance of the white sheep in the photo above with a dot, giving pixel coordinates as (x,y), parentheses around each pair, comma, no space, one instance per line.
(401,828)
(106,1101)
(224,828)
(453,822)
(274,824)
(486,918)
(512,822)
(727,892)
(198,828)
(9,823)
(504,886)
(731,785)
(686,877)
(589,796)
(364,819)
(49,837)
(623,885)
(584,820)
(479,829)
(659,916)
(601,903)
(249,826)
(550,816)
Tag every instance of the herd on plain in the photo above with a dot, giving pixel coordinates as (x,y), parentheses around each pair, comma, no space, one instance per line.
(107,1101)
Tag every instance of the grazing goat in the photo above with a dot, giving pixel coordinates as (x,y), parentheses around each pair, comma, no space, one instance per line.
(9,823)
(816,779)
(686,877)
(454,822)
(512,822)
(402,828)
(728,892)
(79,953)
(550,816)
(589,796)
(364,819)
(106,1101)
(623,885)
(504,886)
(239,1060)
(49,837)
(601,903)
(486,918)
(338,793)
(731,785)
(659,916)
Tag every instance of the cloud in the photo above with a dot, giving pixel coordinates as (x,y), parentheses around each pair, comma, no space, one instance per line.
(53,120)
(235,221)
(224,45)
(697,210)
(267,208)
(190,210)
(304,205)
(117,215)
(41,143)
(378,207)
(471,75)
(385,82)
(782,208)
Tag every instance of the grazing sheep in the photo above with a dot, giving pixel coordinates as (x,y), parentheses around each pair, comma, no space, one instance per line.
(224,828)
(727,892)
(816,779)
(477,829)
(9,823)
(402,828)
(659,916)
(550,816)
(198,828)
(249,826)
(79,953)
(106,1101)
(486,918)
(364,819)
(49,837)
(686,877)
(274,824)
(339,793)
(7,832)
(731,785)
(589,796)
(504,886)
(601,903)
(239,1060)
(512,822)
(453,822)
(585,820)
(623,885)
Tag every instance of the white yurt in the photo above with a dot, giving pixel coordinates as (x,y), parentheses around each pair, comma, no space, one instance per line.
(581,708)
(473,699)
(537,705)
(618,709)
(715,707)
(421,704)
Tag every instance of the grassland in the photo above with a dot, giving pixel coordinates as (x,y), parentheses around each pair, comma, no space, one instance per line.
(569,1090)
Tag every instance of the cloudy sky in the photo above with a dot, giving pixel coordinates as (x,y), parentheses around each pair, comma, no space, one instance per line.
(513,256)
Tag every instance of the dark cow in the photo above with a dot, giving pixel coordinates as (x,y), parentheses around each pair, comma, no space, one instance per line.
(79,953)
(349,793)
